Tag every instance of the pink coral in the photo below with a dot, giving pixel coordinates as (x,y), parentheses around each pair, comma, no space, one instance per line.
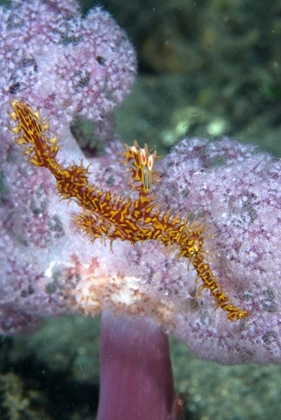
(62,62)
(48,268)
(238,191)
(68,66)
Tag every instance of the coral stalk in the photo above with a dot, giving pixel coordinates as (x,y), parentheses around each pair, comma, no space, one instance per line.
(136,373)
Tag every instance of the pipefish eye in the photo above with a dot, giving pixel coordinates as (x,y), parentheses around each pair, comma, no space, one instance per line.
(150,162)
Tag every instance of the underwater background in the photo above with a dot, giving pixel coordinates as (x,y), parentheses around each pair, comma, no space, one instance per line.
(208,69)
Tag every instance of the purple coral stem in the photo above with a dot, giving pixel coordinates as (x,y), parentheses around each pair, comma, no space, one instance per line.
(136,373)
